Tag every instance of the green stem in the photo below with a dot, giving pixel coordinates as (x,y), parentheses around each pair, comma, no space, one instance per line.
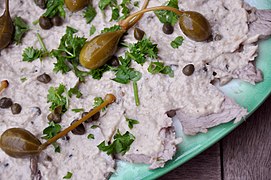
(136,93)
(35,22)
(41,43)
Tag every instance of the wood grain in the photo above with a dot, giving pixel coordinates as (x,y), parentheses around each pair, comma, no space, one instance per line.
(204,166)
(247,150)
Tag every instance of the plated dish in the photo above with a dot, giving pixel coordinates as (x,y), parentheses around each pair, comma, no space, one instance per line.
(173,77)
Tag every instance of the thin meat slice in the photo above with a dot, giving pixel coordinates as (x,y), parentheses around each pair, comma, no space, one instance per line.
(229,111)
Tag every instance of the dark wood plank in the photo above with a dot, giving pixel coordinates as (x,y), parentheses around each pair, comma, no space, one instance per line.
(247,150)
(204,166)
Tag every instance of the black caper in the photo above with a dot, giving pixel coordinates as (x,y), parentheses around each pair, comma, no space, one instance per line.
(189,69)
(79,130)
(95,117)
(57,21)
(168,28)
(138,34)
(44,78)
(45,23)
(40,3)
(16,108)
(5,103)
(54,117)
(171,113)
(113,62)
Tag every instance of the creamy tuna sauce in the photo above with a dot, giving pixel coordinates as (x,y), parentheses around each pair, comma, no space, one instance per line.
(193,95)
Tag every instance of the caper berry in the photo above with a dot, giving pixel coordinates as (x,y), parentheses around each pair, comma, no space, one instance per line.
(5,103)
(45,23)
(189,69)
(40,3)
(113,62)
(57,21)
(138,34)
(79,130)
(76,5)
(168,28)
(16,108)
(54,117)
(44,78)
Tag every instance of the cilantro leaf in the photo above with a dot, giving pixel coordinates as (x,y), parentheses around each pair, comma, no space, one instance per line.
(21,28)
(30,54)
(159,67)
(92,30)
(131,122)
(57,99)
(120,145)
(50,131)
(68,175)
(168,16)
(111,29)
(55,7)
(89,14)
(177,42)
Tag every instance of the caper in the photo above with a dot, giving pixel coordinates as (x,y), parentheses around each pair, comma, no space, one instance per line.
(57,21)
(18,143)
(5,103)
(114,61)
(95,117)
(40,3)
(16,108)
(45,23)
(79,130)
(96,52)
(54,117)
(138,34)
(189,69)
(76,5)
(171,113)
(168,28)
(44,78)
(195,26)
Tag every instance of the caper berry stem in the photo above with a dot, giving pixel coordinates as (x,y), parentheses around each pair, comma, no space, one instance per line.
(41,43)
(109,99)
(130,21)
(7,7)
(4,84)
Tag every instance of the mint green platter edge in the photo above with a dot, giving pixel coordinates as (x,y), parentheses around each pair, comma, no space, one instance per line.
(247,95)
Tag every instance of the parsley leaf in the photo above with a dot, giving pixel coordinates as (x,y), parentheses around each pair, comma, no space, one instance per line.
(94,126)
(111,29)
(21,28)
(75,91)
(168,16)
(68,175)
(89,14)
(78,110)
(131,122)
(92,30)
(55,7)
(49,132)
(97,102)
(30,54)
(116,8)
(23,79)
(177,42)
(120,145)
(91,136)
(98,73)
(57,99)
(103,4)
(125,74)
(159,67)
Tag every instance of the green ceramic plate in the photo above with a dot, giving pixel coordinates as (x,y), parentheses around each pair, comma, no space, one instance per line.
(248,96)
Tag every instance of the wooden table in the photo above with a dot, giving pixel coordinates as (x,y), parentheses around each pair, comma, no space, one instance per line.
(242,155)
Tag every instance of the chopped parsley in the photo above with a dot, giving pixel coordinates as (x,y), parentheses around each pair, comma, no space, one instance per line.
(78,110)
(159,67)
(111,29)
(126,74)
(89,14)
(68,175)
(98,73)
(94,126)
(131,122)
(50,131)
(92,30)
(168,16)
(55,7)
(120,145)
(74,91)
(177,42)
(97,102)
(23,79)
(21,28)
(30,54)
(91,136)
(136,3)
(57,96)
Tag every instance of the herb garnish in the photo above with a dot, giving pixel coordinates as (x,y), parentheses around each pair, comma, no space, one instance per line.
(91,136)
(21,28)
(92,30)
(131,122)
(121,144)
(177,42)
(68,175)
(55,7)
(74,91)
(111,29)
(159,67)
(94,126)
(23,79)
(97,102)
(57,99)
(168,16)
(78,110)
(49,132)
(89,14)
